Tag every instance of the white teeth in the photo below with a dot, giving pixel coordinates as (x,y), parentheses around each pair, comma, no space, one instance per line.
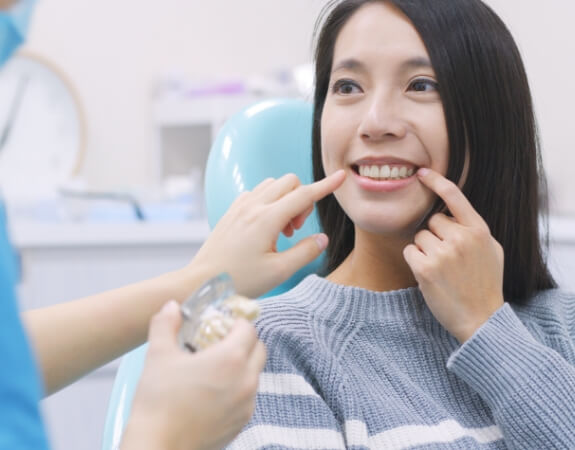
(386,172)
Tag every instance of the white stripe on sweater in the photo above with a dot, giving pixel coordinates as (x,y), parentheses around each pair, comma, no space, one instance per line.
(308,438)
(284,384)
(355,430)
(412,435)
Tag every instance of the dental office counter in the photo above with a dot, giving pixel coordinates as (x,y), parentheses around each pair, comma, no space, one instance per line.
(62,262)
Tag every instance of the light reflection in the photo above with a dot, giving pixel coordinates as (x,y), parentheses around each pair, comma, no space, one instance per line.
(227,147)
(237,177)
(252,111)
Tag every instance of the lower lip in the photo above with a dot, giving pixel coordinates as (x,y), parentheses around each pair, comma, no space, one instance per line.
(372,185)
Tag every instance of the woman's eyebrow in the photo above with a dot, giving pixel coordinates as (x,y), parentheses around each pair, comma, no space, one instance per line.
(418,62)
(349,64)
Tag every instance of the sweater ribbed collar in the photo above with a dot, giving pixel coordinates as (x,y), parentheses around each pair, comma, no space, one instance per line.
(325,298)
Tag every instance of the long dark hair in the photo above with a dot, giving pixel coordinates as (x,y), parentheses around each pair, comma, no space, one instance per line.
(489,113)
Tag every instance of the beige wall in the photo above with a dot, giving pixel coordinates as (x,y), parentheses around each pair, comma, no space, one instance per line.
(113,51)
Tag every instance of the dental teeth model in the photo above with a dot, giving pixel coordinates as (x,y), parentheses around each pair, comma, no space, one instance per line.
(209,314)
(217,322)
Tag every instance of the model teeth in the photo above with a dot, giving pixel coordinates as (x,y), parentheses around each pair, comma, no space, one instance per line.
(386,172)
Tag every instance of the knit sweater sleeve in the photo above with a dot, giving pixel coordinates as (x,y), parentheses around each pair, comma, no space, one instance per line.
(528,384)
(291,410)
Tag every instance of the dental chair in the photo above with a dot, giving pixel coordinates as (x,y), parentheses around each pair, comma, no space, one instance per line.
(267,139)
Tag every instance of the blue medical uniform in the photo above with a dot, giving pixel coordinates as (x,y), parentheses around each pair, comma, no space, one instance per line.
(21,426)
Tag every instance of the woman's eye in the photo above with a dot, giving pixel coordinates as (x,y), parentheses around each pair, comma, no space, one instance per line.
(423,85)
(345,87)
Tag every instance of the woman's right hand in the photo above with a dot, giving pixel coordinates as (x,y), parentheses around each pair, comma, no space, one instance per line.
(243,243)
(200,400)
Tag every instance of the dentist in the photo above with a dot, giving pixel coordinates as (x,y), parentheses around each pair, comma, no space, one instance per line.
(183,400)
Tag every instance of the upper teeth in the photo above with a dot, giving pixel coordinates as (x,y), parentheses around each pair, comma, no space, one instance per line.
(386,172)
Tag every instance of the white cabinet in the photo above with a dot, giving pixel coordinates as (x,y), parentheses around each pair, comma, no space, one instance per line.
(62,262)
(187,127)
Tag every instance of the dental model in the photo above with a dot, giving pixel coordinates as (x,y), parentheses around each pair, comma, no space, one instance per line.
(216,322)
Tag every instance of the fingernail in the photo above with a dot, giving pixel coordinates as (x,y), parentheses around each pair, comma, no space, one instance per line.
(423,171)
(170,306)
(321,240)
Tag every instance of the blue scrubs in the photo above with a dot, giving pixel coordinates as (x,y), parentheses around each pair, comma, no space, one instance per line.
(21,426)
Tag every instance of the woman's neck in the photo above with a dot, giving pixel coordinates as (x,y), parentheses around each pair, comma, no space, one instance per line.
(375,263)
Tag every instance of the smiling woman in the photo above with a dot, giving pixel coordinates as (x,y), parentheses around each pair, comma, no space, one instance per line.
(419,334)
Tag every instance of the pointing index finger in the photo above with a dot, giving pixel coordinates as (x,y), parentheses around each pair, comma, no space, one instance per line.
(462,210)
(301,199)
(325,186)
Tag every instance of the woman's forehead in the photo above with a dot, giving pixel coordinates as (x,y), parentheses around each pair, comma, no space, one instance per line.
(378,28)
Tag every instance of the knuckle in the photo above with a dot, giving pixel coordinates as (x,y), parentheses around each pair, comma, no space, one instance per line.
(292,179)
(456,247)
(434,220)
(252,215)
(243,197)
(457,241)
(481,233)
(419,236)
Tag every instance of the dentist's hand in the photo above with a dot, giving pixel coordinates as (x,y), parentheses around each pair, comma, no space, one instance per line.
(457,263)
(200,400)
(244,241)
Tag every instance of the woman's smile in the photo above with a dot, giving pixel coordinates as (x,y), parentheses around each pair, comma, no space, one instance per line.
(383,174)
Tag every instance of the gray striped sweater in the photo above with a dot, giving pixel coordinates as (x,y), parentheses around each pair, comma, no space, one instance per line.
(351,368)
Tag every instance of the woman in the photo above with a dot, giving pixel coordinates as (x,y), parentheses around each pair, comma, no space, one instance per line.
(418,336)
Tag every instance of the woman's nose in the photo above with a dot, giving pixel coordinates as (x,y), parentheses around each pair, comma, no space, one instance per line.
(382,120)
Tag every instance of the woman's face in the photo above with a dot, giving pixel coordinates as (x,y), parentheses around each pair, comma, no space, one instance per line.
(382,120)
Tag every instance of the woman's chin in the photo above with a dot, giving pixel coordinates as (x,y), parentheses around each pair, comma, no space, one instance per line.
(401,228)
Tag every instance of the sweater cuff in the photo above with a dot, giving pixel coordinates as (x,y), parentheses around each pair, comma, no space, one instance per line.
(500,359)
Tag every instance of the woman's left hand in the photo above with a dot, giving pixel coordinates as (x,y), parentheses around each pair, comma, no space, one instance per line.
(457,263)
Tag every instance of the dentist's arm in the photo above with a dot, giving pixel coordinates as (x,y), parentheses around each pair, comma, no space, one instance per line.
(72,339)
